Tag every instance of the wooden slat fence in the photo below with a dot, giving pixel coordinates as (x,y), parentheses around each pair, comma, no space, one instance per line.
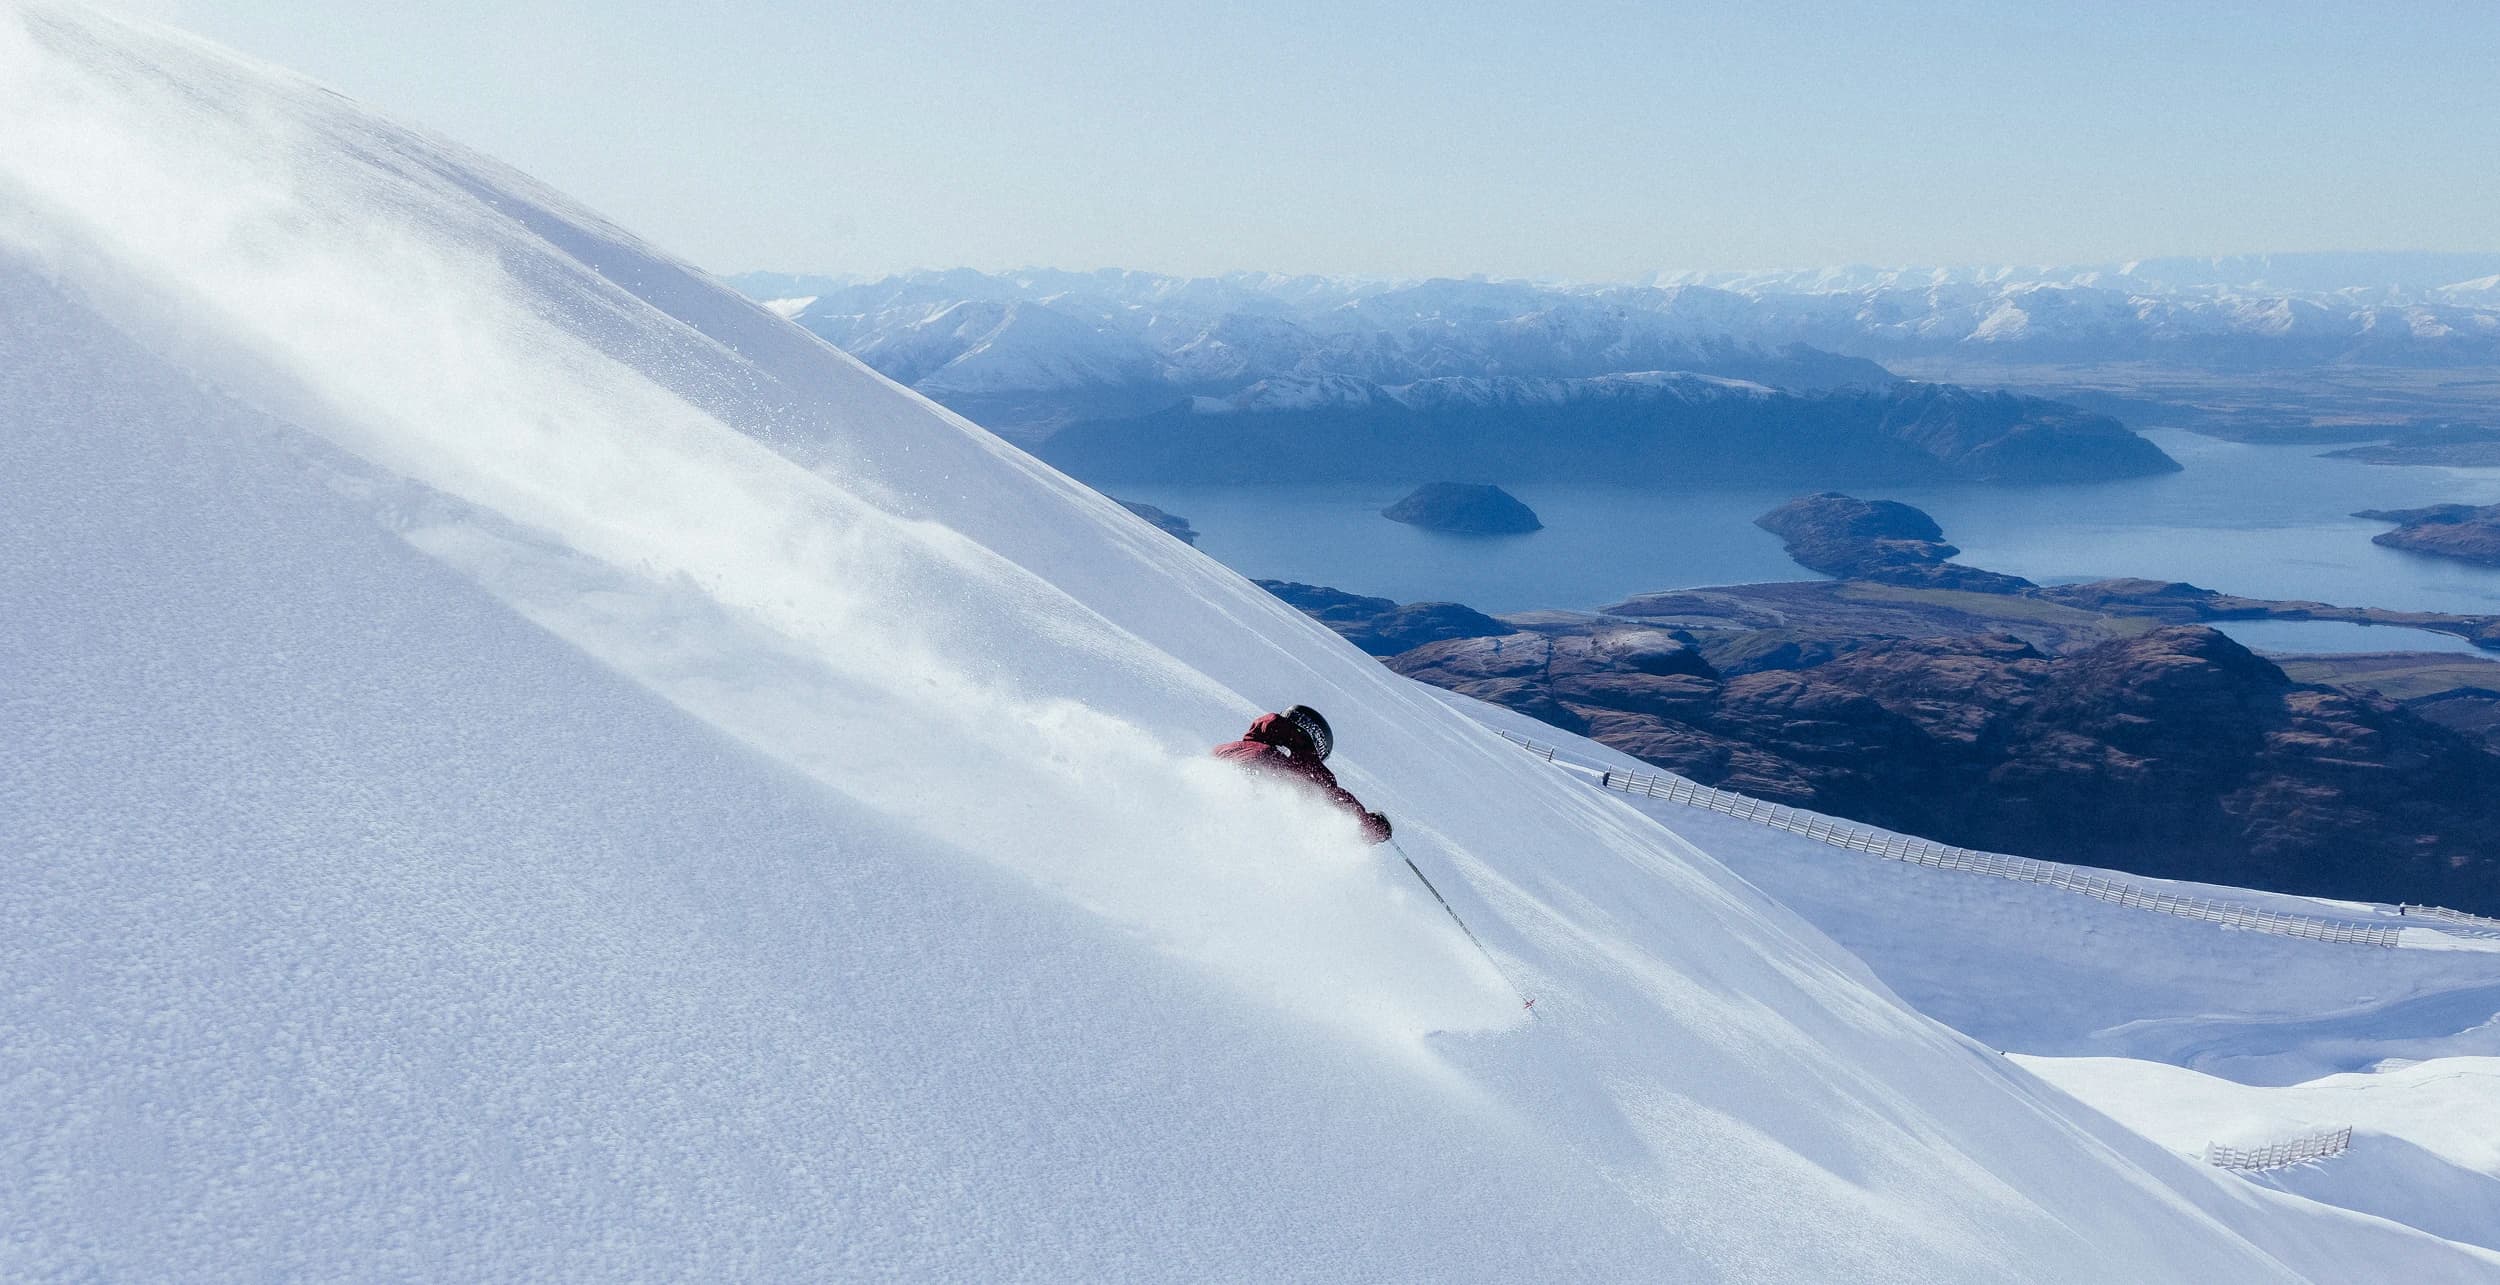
(2277,1155)
(2099,884)
(2477,925)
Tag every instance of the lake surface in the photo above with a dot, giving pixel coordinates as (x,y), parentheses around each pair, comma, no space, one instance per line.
(2265,521)
(2341,636)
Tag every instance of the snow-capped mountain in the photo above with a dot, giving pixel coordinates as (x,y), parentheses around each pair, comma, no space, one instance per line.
(2393,277)
(1157,336)
(2480,292)
(1095,343)
(521,764)
(2034,321)
(981,345)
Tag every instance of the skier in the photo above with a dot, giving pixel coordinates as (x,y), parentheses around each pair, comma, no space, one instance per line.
(1294,745)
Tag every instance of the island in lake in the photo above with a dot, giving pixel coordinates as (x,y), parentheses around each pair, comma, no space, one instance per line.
(1880,540)
(1465,509)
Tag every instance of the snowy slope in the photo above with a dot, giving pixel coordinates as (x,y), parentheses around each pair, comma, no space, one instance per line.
(521,763)
(2187,1032)
(2425,1145)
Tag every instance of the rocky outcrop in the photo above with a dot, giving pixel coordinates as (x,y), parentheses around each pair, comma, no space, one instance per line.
(2175,753)
(1383,626)
(1464,509)
(2467,532)
(1885,541)
(1172,524)
(2090,723)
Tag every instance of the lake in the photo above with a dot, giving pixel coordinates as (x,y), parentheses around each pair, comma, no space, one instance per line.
(2265,521)
(2327,636)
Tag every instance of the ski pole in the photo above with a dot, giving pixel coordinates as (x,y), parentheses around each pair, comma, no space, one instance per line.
(1524,1001)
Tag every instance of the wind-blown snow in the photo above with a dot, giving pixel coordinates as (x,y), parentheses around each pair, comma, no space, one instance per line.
(522,763)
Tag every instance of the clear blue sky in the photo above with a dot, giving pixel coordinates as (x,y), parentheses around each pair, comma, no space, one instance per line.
(1589,140)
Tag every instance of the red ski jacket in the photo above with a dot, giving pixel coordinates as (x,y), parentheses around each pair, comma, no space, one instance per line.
(1275,745)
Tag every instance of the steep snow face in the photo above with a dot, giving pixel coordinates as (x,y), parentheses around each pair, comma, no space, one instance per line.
(523,763)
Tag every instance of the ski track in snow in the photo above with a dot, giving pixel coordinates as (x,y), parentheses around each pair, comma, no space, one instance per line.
(532,767)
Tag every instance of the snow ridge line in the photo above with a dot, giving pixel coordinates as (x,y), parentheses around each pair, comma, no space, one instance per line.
(2278,1155)
(1893,847)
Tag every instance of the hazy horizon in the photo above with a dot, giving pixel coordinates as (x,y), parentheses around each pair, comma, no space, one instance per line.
(1593,142)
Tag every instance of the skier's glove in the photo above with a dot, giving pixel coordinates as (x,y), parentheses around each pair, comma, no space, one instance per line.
(1380,823)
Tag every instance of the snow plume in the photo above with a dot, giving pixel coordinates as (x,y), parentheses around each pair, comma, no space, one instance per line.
(334,295)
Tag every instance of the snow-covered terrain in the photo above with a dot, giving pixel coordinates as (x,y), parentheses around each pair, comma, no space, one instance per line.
(2190,1033)
(2425,1136)
(519,763)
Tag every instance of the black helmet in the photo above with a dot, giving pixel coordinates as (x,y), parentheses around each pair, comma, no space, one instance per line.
(1313,726)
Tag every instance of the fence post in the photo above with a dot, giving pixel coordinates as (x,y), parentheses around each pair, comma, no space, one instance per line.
(1831,830)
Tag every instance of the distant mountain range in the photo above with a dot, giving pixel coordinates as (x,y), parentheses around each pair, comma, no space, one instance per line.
(1027,352)
(2399,277)
(1030,350)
